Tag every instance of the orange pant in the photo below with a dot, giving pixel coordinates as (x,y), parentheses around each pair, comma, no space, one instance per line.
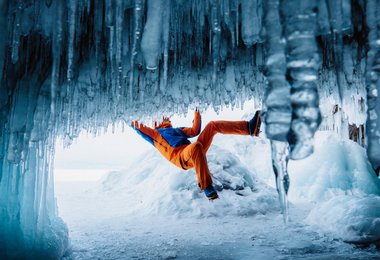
(194,155)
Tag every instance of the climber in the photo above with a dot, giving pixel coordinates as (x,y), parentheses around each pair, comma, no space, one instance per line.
(174,145)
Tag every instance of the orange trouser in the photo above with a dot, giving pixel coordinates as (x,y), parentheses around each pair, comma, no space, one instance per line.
(194,155)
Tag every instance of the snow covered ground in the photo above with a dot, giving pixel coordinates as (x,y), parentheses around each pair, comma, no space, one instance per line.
(153,210)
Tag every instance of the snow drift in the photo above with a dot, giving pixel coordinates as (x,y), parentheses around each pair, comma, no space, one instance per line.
(151,186)
(336,185)
(342,185)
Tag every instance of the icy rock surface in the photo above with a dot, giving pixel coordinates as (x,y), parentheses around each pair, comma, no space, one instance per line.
(68,66)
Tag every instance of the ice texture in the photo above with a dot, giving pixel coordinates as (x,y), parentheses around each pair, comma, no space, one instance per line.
(373,83)
(72,66)
(302,59)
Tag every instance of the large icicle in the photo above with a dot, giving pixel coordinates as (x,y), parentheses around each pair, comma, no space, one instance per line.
(373,83)
(3,32)
(72,8)
(137,23)
(56,53)
(151,43)
(216,33)
(251,15)
(302,74)
(277,100)
(280,158)
(165,38)
(277,96)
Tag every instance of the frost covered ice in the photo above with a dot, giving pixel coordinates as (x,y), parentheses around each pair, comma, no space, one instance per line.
(72,66)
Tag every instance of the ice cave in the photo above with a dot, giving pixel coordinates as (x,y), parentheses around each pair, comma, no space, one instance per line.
(68,67)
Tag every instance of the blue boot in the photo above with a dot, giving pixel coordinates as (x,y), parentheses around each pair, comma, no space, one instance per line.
(254,124)
(211,193)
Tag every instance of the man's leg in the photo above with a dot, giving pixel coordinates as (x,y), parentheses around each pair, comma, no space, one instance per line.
(223,127)
(193,156)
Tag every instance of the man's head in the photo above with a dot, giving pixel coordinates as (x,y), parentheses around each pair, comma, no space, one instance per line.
(165,123)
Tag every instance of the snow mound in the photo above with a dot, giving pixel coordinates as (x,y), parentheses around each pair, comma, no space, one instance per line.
(351,218)
(152,185)
(338,166)
(339,179)
(254,153)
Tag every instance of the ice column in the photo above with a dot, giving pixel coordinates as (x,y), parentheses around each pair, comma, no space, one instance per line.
(251,16)
(280,158)
(29,223)
(3,32)
(72,9)
(56,53)
(373,82)
(302,74)
(277,96)
(165,31)
(216,32)
(151,43)
(137,23)
(277,100)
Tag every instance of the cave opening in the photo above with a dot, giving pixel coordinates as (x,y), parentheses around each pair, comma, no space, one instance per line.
(73,66)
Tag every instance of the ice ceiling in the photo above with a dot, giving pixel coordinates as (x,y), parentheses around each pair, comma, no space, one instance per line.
(72,65)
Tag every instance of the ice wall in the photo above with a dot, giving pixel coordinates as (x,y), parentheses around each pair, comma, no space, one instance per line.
(71,65)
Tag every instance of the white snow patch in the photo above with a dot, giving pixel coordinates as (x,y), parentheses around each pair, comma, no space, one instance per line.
(154,186)
(338,179)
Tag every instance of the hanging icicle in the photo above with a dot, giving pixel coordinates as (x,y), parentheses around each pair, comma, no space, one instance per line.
(277,101)
(302,74)
(165,37)
(277,96)
(137,24)
(216,33)
(72,9)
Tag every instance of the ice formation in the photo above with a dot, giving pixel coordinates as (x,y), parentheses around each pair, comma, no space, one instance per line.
(71,65)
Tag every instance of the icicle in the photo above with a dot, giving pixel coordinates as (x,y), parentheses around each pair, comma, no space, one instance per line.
(237,22)
(347,17)
(372,83)
(72,15)
(119,11)
(280,158)
(3,31)
(277,97)
(98,25)
(323,18)
(138,16)
(216,34)
(165,31)
(228,20)
(151,43)
(16,32)
(110,25)
(56,53)
(251,21)
(302,70)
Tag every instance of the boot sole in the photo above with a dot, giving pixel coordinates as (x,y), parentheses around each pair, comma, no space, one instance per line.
(213,197)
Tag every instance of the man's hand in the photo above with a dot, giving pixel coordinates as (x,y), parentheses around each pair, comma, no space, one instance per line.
(135,124)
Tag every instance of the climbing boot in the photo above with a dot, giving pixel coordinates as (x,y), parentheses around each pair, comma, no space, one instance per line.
(254,124)
(211,193)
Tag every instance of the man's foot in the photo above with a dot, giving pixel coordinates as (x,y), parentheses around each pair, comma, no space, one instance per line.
(211,193)
(254,124)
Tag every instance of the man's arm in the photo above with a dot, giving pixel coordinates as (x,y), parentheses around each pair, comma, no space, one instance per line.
(146,132)
(196,128)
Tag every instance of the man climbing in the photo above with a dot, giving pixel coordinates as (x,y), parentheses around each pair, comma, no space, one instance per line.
(174,145)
